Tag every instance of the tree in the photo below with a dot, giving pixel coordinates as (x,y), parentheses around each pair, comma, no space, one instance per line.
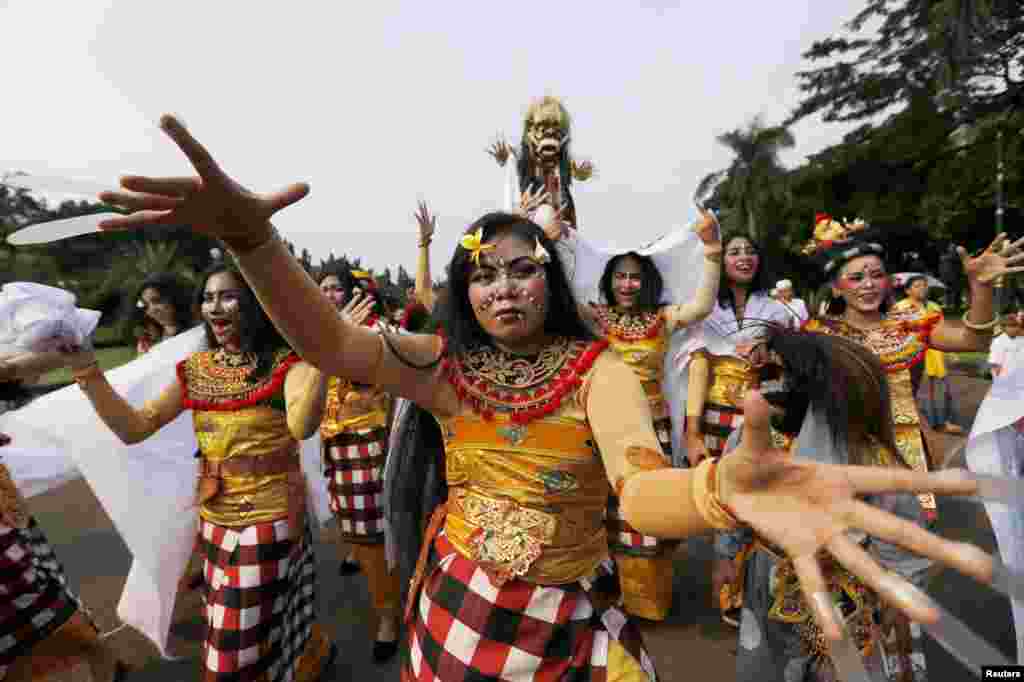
(755,177)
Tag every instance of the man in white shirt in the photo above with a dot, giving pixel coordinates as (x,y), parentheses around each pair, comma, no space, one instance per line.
(1007,349)
(796,307)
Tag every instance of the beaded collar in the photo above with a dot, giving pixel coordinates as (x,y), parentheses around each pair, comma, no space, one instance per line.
(624,325)
(219,381)
(525,388)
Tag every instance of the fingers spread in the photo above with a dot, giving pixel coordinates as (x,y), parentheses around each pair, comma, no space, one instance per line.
(869,480)
(137,221)
(964,558)
(815,591)
(890,587)
(140,202)
(171,187)
(288,196)
(200,159)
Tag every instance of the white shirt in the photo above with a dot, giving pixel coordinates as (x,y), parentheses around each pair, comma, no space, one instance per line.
(797,310)
(1007,353)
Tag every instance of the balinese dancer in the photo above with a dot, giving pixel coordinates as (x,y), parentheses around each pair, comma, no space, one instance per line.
(940,414)
(538,418)
(252,401)
(354,432)
(718,377)
(638,326)
(44,628)
(543,161)
(163,308)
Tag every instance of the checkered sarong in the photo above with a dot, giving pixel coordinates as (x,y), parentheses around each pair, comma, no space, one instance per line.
(718,422)
(622,537)
(466,629)
(260,603)
(34,597)
(354,467)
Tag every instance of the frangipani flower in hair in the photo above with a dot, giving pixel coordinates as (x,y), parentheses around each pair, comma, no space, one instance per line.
(474,244)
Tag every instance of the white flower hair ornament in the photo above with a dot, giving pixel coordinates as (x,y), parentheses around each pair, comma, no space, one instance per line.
(540,254)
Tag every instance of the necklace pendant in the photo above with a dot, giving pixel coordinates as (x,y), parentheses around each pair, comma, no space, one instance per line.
(515,434)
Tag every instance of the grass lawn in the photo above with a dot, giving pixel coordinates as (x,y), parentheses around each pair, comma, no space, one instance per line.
(109,358)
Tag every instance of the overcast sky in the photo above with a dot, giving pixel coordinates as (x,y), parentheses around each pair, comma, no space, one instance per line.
(380,104)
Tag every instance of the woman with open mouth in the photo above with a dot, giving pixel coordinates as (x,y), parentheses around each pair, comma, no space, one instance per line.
(252,400)
(718,379)
(354,432)
(539,418)
(638,325)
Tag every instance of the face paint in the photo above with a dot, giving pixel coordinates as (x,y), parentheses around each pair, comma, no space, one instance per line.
(864,284)
(221,308)
(627,282)
(331,287)
(508,292)
(741,260)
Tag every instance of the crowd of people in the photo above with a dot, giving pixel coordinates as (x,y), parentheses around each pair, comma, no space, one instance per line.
(513,458)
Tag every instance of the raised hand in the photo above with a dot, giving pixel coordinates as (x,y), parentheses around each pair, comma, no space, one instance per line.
(501,150)
(993,262)
(805,508)
(532,199)
(707,228)
(427,222)
(358,308)
(582,170)
(211,203)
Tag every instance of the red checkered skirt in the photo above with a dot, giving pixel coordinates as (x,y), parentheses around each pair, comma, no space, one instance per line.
(718,422)
(465,628)
(260,601)
(354,468)
(34,597)
(622,537)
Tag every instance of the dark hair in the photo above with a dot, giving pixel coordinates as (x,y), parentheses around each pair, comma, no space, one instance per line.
(257,333)
(759,283)
(843,381)
(652,284)
(463,329)
(344,275)
(173,290)
(836,304)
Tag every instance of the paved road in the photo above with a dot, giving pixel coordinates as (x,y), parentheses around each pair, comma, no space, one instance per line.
(691,645)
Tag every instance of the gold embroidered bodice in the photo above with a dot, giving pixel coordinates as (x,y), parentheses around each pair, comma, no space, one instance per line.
(527,486)
(641,339)
(730,379)
(352,408)
(235,418)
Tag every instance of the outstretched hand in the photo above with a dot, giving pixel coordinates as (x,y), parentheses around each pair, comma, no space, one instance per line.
(211,203)
(994,262)
(358,308)
(707,228)
(500,150)
(806,508)
(426,222)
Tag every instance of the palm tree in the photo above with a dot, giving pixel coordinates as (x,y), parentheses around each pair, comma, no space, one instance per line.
(754,174)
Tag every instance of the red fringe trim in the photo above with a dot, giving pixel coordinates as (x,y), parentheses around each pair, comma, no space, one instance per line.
(264,392)
(569,379)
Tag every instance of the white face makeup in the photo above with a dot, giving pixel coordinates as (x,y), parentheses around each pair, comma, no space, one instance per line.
(331,287)
(508,293)
(627,281)
(221,308)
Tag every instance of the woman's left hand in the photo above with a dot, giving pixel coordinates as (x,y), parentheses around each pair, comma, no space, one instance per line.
(806,508)
(993,262)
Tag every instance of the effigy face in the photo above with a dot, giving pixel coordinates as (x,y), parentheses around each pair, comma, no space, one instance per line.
(547,130)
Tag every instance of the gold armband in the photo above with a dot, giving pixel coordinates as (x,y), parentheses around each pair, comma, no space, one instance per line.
(705,488)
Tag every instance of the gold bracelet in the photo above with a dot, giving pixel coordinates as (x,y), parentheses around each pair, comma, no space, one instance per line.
(425,244)
(704,487)
(988,327)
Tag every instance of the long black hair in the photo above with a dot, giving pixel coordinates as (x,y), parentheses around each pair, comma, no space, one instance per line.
(759,284)
(257,334)
(837,304)
(651,288)
(173,290)
(463,329)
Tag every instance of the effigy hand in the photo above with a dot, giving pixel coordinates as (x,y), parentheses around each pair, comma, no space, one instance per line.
(500,150)
(806,508)
(994,262)
(582,170)
(211,203)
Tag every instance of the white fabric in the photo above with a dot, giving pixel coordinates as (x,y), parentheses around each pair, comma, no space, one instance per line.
(1006,352)
(995,446)
(797,311)
(679,257)
(147,489)
(38,318)
(720,333)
